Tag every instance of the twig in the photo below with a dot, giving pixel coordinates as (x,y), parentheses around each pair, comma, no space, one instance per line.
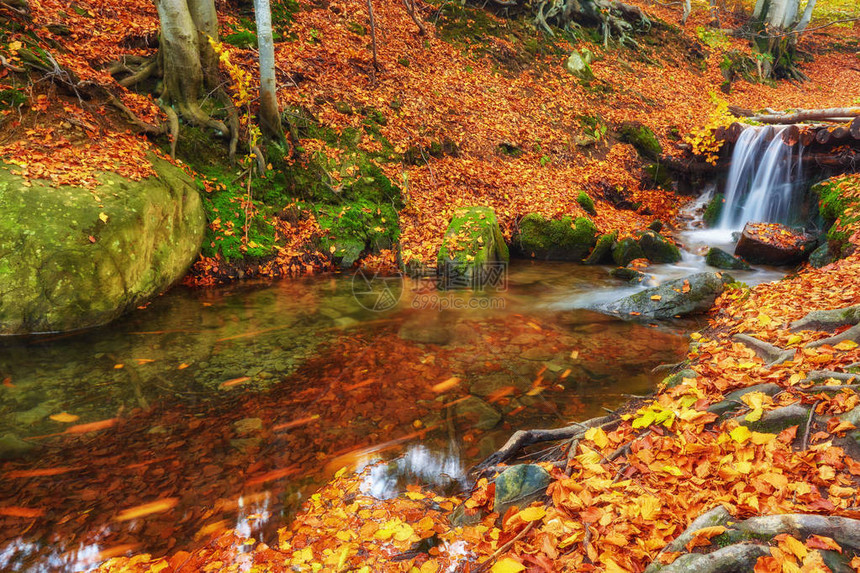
(505,547)
(805,443)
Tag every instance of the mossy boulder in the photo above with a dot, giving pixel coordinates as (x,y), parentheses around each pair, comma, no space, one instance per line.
(74,258)
(602,251)
(657,248)
(354,227)
(586,203)
(472,242)
(520,485)
(626,250)
(821,256)
(642,138)
(558,240)
(720,259)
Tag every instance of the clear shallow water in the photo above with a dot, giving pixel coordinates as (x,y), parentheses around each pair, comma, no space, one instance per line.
(226,407)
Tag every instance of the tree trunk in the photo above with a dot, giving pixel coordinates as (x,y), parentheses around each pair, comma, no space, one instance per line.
(270,117)
(205,19)
(181,57)
(807,16)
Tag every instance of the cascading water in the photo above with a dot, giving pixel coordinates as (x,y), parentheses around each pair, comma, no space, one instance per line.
(764,182)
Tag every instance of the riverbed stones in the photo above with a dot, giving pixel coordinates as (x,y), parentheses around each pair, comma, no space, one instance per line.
(562,239)
(473,243)
(680,297)
(74,258)
(720,259)
(520,485)
(602,251)
(628,274)
(773,244)
(11,447)
(481,415)
(626,250)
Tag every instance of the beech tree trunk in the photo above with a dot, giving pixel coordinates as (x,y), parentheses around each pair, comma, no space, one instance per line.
(183,57)
(270,117)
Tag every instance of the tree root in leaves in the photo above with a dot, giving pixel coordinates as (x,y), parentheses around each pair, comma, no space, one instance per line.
(852,334)
(772,355)
(524,438)
(828,320)
(748,540)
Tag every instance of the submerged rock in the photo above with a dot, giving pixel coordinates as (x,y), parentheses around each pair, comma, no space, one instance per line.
(628,274)
(558,240)
(720,259)
(602,251)
(73,258)
(472,242)
(627,250)
(11,447)
(679,297)
(482,415)
(773,244)
(520,485)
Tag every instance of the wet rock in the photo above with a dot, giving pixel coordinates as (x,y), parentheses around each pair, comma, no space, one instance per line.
(482,415)
(537,353)
(486,385)
(657,248)
(773,244)
(425,332)
(720,259)
(472,241)
(714,210)
(627,250)
(602,251)
(558,240)
(678,377)
(527,338)
(821,257)
(628,274)
(246,445)
(679,297)
(248,426)
(520,485)
(461,517)
(68,261)
(11,447)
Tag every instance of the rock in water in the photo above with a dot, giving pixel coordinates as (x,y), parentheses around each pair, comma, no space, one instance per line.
(557,240)
(519,485)
(627,250)
(679,297)
(73,258)
(720,259)
(773,244)
(473,242)
(657,249)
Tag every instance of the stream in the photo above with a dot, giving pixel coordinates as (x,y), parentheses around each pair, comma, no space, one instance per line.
(225,407)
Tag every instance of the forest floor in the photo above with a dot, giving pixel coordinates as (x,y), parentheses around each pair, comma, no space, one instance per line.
(480,111)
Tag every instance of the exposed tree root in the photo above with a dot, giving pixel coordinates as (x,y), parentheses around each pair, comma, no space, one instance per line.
(524,438)
(781,418)
(852,334)
(844,530)
(819,375)
(173,126)
(144,127)
(771,354)
(828,320)
(738,557)
(145,72)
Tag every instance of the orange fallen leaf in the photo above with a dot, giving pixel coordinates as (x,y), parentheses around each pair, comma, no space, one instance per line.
(234,381)
(17,511)
(145,509)
(40,472)
(445,385)
(64,417)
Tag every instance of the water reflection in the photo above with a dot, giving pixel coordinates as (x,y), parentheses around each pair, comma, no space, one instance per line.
(236,403)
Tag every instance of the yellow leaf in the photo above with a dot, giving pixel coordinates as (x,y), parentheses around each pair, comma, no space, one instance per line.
(846,345)
(649,505)
(674,470)
(532,513)
(613,567)
(103,217)
(760,439)
(764,319)
(741,434)
(794,339)
(507,565)
(656,297)
(414,495)
(598,436)
(754,416)
(64,417)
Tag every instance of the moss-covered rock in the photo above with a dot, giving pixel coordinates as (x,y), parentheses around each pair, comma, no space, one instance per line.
(519,485)
(628,274)
(626,250)
(70,261)
(602,252)
(642,138)
(679,297)
(821,256)
(586,203)
(472,241)
(838,207)
(657,248)
(720,259)
(559,240)
(355,227)
(714,210)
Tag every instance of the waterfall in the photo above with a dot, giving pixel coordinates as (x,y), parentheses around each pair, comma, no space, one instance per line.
(764,180)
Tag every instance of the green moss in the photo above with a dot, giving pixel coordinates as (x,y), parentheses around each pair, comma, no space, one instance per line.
(627,250)
(562,239)
(602,252)
(586,203)
(834,206)
(657,248)
(473,239)
(355,227)
(714,210)
(642,138)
